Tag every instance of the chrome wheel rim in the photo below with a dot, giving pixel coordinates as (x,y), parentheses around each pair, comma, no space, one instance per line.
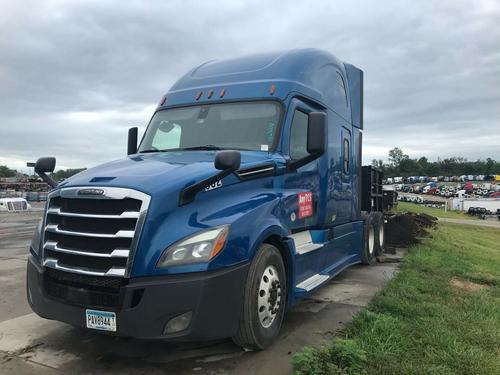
(371,240)
(268,296)
(381,235)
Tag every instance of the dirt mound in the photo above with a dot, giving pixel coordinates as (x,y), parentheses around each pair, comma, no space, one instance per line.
(466,285)
(405,229)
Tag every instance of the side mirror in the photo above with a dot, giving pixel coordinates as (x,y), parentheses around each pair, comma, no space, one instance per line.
(316,133)
(46,165)
(132,141)
(227,160)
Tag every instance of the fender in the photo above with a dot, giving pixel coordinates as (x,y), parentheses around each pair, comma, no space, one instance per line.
(251,210)
(273,229)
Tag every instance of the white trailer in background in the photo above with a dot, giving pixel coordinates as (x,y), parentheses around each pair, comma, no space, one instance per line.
(14,205)
(463,204)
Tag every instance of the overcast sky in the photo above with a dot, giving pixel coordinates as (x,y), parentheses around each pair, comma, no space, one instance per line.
(74,75)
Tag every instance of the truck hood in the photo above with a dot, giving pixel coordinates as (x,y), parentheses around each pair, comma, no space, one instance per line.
(160,172)
(163,176)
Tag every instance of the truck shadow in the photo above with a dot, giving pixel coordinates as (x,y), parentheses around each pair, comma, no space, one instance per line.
(77,350)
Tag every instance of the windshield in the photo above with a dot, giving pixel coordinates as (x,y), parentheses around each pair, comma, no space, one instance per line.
(241,126)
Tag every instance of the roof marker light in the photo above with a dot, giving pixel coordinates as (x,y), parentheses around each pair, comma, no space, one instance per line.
(198,95)
(163,100)
(210,93)
(222,93)
(272,90)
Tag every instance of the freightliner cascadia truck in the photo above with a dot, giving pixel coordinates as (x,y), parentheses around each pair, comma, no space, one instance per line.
(245,195)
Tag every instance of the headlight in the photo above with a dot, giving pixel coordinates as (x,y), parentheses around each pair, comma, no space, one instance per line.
(198,248)
(37,238)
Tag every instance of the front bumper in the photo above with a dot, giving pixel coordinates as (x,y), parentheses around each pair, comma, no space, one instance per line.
(143,306)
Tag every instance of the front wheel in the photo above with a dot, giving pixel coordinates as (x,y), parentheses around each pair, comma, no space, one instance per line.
(264,300)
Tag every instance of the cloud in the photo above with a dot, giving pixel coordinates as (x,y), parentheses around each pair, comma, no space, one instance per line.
(74,75)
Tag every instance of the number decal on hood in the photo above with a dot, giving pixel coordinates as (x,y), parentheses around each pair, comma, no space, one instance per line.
(213,186)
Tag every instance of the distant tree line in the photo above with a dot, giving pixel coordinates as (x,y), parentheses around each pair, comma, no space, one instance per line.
(401,165)
(7,172)
(61,174)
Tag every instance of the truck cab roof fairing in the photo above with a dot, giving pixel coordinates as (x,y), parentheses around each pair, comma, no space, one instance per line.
(309,71)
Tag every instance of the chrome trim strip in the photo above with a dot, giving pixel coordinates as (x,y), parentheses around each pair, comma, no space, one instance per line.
(116,253)
(256,171)
(54,264)
(124,215)
(109,193)
(138,230)
(54,228)
(307,247)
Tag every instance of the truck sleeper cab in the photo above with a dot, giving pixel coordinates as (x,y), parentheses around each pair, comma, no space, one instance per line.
(244,195)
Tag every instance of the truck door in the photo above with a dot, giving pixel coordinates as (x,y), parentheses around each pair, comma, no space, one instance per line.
(339,192)
(305,188)
(344,201)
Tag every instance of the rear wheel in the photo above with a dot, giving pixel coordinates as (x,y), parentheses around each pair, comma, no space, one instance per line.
(369,248)
(264,300)
(378,218)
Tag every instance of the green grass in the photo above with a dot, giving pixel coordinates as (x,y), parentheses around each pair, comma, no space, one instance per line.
(420,323)
(419,209)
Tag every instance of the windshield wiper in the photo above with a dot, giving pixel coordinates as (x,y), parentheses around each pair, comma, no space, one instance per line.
(203,148)
(194,148)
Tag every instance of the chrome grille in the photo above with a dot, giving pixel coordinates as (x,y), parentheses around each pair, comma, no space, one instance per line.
(93,234)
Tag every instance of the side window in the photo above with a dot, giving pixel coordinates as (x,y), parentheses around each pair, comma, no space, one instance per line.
(346,156)
(167,136)
(298,135)
(340,82)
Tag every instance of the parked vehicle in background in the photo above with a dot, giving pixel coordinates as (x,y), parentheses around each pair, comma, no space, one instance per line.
(14,205)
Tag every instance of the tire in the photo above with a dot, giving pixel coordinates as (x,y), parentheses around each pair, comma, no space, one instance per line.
(378,218)
(259,324)
(369,247)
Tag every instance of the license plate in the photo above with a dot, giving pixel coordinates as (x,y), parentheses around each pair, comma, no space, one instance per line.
(102,320)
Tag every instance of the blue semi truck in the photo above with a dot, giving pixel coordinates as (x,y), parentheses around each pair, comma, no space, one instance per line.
(245,194)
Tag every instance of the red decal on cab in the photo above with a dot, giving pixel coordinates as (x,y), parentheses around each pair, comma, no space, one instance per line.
(305,204)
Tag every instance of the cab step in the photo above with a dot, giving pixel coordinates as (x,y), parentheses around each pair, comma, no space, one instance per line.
(304,242)
(312,282)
